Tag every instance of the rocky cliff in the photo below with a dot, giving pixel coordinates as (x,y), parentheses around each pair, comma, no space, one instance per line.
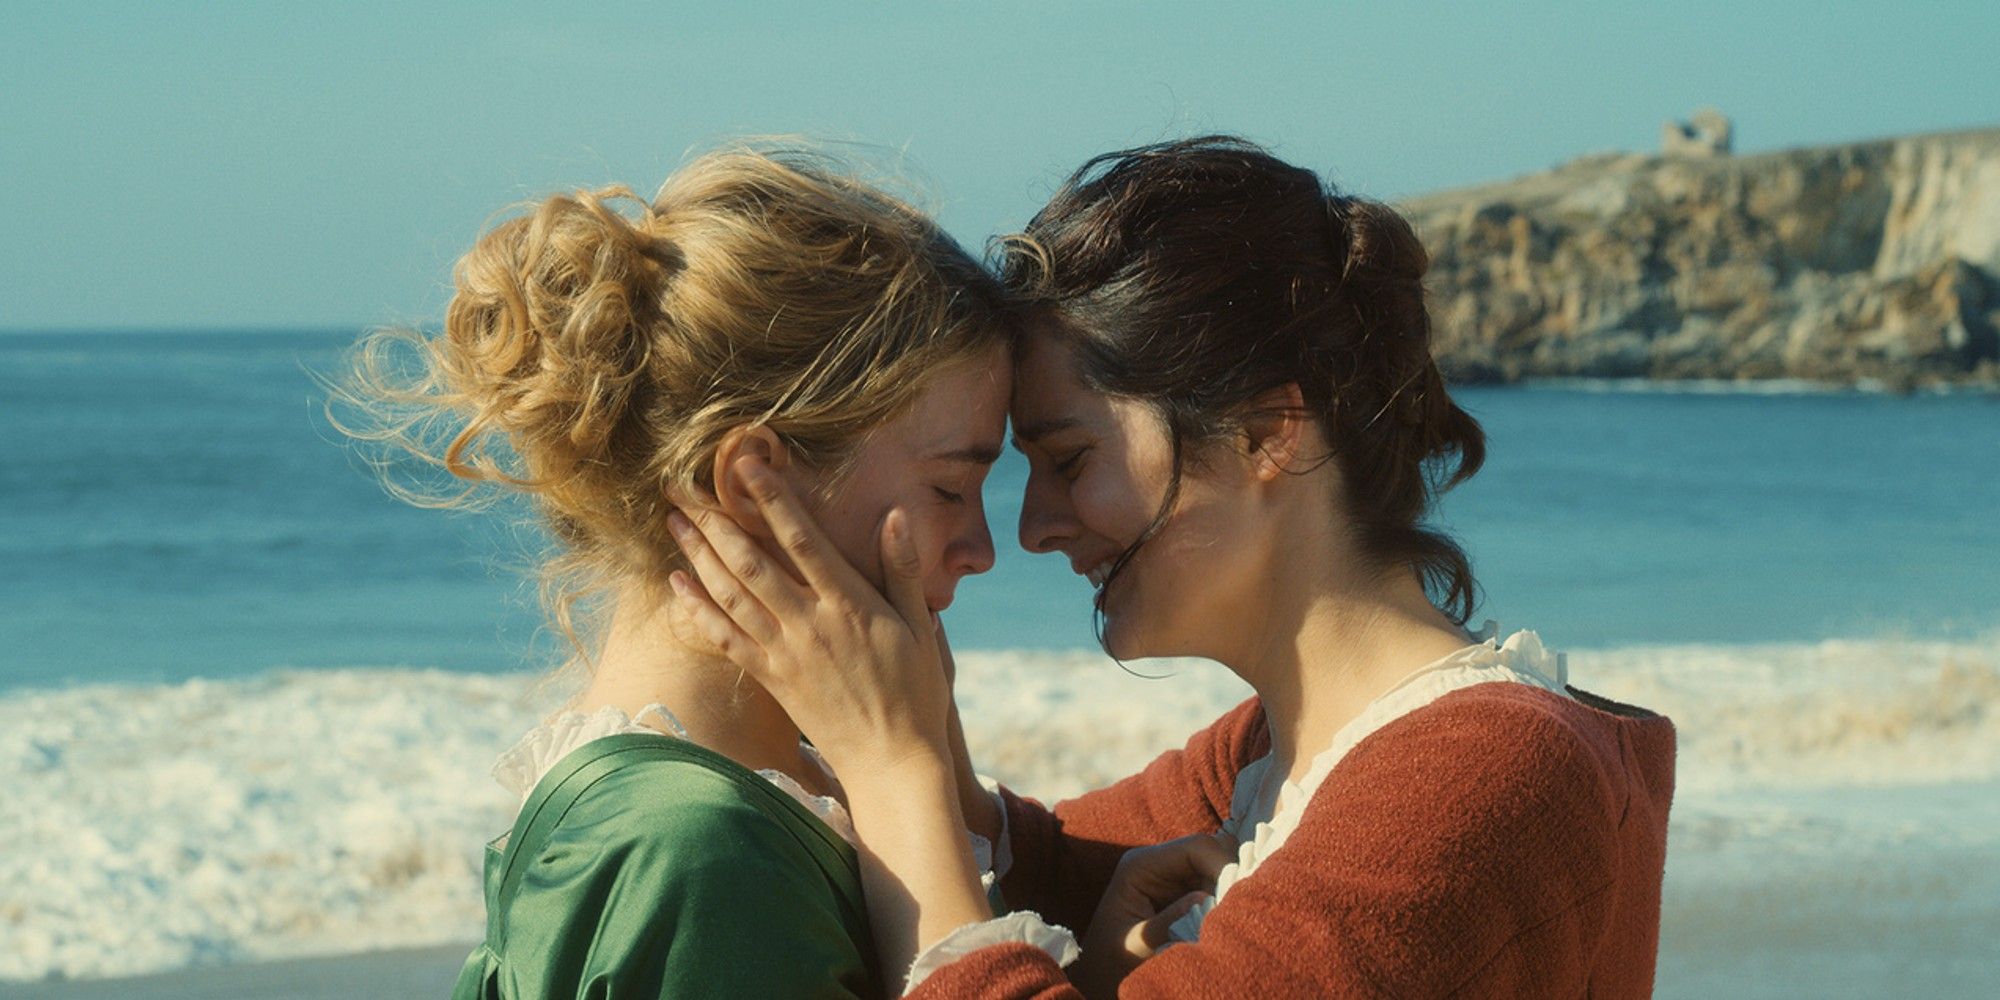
(1876,260)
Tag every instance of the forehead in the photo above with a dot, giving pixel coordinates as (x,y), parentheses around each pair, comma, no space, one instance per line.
(964,406)
(1046,387)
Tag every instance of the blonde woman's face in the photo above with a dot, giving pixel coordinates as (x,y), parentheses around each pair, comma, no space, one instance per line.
(932,462)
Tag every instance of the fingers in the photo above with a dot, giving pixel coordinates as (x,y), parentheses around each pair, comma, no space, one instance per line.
(756,569)
(1154,932)
(1169,869)
(902,574)
(724,587)
(796,531)
(718,628)
(1209,855)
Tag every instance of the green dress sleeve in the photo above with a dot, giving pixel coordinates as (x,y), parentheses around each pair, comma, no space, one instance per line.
(674,876)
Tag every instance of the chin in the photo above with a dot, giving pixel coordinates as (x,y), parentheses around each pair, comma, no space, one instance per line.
(1131,636)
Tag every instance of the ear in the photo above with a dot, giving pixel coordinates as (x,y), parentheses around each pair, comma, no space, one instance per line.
(754,441)
(1277,431)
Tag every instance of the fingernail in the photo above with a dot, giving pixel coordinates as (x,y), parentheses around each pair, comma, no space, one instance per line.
(679,524)
(679,582)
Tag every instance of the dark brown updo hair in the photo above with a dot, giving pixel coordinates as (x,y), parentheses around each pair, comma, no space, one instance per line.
(1199,275)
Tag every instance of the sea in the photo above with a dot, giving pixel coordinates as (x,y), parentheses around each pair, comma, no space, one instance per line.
(248,700)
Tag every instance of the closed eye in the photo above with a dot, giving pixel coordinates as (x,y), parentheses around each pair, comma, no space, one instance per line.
(948,496)
(1068,466)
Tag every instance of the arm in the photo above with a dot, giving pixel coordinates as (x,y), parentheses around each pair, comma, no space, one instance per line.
(982,812)
(1467,850)
(1064,858)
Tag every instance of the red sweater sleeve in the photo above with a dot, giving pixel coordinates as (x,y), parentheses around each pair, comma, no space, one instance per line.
(1063,859)
(1487,845)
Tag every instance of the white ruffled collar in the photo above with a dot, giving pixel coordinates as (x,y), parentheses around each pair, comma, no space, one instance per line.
(1521,659)
(522,766)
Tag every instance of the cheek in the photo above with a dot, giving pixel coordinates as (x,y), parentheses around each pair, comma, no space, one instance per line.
(1204,551)
(851,520)
(932,527)
(1110,506)
(853,537)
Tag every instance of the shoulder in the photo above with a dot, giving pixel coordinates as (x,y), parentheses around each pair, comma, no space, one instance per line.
(1478,763)
(1208,764)
(677,819)
(662,850)
(689,836)
(1510,743)
(1497,790)
(688,805)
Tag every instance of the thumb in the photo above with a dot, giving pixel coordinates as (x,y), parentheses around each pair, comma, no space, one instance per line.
(1153,933)
(1209,855)
(902,574)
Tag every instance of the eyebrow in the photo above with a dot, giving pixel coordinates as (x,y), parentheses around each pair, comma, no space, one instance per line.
(1041,429)
(979,454)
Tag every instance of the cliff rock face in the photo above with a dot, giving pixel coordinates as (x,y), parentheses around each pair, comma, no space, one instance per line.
(1877,260)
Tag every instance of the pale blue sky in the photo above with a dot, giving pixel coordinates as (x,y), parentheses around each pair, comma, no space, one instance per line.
(241,165)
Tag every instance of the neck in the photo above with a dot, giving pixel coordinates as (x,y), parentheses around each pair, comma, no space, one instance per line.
(645,660)
(1332,645)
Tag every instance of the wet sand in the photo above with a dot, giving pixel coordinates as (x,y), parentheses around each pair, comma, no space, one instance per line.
(388,975)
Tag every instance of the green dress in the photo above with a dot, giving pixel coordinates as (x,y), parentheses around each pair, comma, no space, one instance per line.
(646,866)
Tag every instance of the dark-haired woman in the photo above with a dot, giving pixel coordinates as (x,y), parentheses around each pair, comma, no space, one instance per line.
(1234,428)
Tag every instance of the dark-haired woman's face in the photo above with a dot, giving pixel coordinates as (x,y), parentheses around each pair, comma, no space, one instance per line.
(1099,469)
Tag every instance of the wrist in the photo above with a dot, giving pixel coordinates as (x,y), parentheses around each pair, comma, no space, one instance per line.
(917,771)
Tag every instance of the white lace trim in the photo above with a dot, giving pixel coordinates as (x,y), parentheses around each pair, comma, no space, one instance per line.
(1025,926)
(1520,660)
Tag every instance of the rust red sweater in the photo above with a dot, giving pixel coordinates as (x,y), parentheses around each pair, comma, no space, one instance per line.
(1500,842)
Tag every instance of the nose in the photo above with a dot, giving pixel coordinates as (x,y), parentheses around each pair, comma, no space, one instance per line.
(971,553)
(1047,521)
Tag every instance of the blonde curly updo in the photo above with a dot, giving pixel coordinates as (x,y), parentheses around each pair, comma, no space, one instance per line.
(598,347)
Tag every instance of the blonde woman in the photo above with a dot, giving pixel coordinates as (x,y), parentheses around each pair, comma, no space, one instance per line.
(611,359)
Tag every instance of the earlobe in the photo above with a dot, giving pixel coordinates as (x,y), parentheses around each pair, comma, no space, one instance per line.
(752,441)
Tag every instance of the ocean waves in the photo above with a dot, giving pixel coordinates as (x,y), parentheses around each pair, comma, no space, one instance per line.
(314,812)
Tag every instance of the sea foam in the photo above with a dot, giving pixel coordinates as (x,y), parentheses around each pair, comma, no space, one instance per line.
(319,812)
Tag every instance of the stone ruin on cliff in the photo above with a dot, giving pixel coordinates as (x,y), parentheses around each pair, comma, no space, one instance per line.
(1709,133)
